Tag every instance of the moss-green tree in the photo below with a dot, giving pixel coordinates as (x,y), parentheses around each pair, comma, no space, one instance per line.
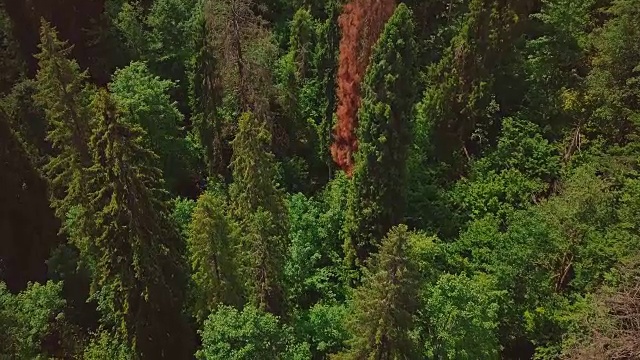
(205,96)
(376,200)
(211,254)
(383,306)
(258,207)
(139,276)
(460,101)
(61,92)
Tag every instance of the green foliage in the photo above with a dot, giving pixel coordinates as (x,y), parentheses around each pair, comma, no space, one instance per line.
(460,100)
(613,81)
(200,192)
(28,319)
(462,317)
(27,120)
(144,101)
(61,92)
(161,36)
(381,316)
(138,252)
(205,99)
(323,328)
(211,248)
(11,63)
(512,175)
(313,266)
(182,214)
(377,198)
(247,334)
(257,204)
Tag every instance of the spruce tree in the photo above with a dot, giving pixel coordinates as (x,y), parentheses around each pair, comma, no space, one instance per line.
(376,199)
(461,101)
(211,254)
(381,318)
(138,281)
(205,96)
(62,93)
(258,207)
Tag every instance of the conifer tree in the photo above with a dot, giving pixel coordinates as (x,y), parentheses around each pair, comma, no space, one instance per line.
(205,95)
(210,246)
(247,52)
(376,200)
(258,206)
(382,307)
(61,92)
(138,281)
(460,101)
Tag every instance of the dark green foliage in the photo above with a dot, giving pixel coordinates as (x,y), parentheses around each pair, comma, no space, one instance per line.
(138,281)
(380,319)
(377,198)
(519,170)
(257,204)
(28,226)
(195,192)
(144,100)
(205,98)
(211,246)
(11,64)
(613,81)
(28,120)
(62,93)
(460,102)
(28,319)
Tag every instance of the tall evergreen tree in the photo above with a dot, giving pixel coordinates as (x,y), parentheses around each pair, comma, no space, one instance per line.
(62,93)
(138,280)
(205,95)
(376,200)
(211,254)
(258,206)
(382,307)
(460,102)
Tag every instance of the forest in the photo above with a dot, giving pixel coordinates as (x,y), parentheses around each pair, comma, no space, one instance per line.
(320,179)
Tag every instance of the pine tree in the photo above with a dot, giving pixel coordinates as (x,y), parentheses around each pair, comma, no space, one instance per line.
(382,307)
(376,200)
(61,92)
(211,253)
(138,280)
(258,206)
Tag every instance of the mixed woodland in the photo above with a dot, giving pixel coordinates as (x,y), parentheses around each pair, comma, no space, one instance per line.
(320,179)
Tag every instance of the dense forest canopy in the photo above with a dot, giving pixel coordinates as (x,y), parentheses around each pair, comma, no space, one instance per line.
(320,179)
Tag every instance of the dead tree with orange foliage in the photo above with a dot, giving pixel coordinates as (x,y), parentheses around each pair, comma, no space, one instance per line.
(361,23)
